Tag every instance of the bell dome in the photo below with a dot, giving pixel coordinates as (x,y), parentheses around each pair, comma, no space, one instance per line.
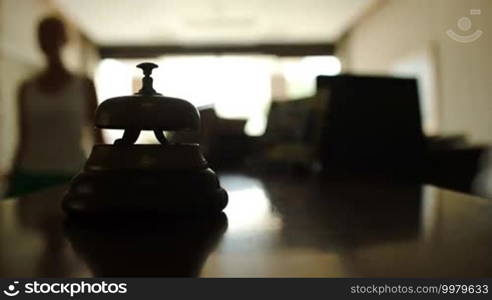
(147,110)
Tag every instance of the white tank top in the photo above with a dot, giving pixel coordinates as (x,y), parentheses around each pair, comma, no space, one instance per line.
(54,129)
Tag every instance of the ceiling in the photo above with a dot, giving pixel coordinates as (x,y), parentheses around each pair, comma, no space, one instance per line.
(192,22)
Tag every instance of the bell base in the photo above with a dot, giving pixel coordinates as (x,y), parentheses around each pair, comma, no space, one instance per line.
(145,193)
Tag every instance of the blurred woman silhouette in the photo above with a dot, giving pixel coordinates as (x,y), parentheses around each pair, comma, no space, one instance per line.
(54,108)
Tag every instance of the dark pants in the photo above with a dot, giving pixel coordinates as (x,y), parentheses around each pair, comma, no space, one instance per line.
(23,182)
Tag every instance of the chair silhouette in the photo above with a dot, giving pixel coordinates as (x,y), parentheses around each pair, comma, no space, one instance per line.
(372,126)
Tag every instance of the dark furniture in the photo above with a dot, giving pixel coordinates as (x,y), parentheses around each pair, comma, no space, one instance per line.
(372,127)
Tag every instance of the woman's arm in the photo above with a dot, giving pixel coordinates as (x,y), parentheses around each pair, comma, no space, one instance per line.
(21,125)
(90,93)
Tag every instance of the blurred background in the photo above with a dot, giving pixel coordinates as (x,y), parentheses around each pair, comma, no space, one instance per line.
(312,85)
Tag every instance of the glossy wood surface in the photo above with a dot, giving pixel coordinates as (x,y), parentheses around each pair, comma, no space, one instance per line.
(279,226)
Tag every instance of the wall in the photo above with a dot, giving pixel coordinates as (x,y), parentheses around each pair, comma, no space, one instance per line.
(20,58)
(463,71)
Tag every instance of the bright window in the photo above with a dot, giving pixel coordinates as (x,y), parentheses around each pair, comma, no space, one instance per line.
(238,86)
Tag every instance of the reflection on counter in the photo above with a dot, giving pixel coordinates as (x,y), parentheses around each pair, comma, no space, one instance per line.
(173,247)
(31,235)
(278,226)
